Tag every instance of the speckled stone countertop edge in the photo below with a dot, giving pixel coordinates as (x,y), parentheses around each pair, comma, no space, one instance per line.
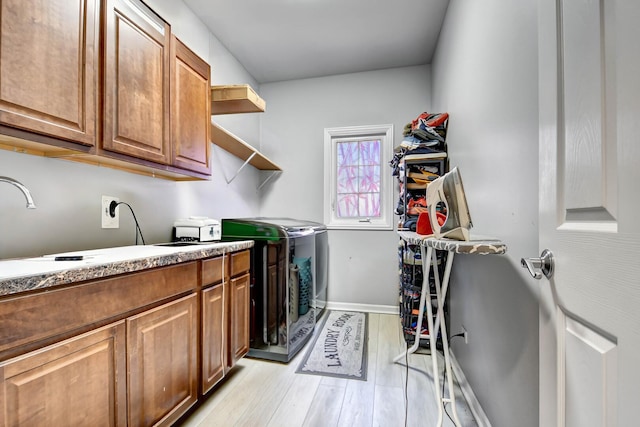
(16,285)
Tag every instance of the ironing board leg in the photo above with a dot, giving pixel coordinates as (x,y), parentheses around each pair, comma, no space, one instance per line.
(430,260)
(433,334)
(441,293)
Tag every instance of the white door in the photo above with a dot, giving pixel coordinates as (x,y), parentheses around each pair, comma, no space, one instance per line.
(589,80)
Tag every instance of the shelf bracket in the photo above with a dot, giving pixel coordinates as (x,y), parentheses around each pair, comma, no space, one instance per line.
(246,162)
(271,175)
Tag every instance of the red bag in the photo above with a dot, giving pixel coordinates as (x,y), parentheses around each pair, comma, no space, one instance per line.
(423,227)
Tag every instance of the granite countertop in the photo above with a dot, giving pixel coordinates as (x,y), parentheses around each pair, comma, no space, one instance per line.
(26,274)
(477,245)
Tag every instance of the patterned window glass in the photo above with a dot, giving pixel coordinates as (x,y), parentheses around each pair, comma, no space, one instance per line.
(358,175)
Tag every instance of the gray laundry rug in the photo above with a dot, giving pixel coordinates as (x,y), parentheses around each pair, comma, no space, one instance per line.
(340,348)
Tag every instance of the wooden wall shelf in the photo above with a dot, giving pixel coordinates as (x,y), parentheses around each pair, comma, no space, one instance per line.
(233,99)
(236,146)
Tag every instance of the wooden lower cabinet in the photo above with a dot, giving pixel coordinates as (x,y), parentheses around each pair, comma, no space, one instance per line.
(162,347)
(80,381)
(239,319)
(146,367)
(225,315)
(213,336)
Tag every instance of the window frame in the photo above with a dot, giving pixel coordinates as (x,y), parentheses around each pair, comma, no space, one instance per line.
(339,134)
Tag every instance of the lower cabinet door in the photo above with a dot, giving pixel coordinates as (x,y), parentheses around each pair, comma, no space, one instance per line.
(239,319)
(79,381)
(162,346)
(213,336)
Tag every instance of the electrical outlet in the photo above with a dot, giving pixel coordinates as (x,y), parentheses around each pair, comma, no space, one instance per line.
(465,335)
(109,221)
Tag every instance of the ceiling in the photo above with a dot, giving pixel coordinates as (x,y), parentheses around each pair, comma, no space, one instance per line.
(279,40)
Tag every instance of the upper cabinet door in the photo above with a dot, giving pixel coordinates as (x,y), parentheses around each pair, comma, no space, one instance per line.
(191,106)
(136,86)
(48,67)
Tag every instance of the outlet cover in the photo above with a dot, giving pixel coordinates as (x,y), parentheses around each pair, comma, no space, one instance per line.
(107,220)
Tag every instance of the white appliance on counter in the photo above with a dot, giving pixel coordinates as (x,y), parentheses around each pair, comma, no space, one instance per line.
(197,229)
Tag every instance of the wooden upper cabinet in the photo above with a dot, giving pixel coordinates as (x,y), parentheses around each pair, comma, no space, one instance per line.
(48,67)
(136,83)
(105,78)
(190,113)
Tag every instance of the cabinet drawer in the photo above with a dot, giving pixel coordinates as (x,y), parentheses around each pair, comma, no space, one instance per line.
(240,262)
(214,270)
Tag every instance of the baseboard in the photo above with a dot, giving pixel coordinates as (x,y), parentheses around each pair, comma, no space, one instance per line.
(469,395)
(369,308)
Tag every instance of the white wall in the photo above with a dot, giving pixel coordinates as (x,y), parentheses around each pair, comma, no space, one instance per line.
(68,194)
(485,76)
(363,264)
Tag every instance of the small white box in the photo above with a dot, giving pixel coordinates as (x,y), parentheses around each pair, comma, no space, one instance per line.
(200,229)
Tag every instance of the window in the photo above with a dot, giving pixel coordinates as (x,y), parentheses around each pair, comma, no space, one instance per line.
(357,191)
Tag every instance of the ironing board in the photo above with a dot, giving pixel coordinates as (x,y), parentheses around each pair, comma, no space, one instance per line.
(428,247)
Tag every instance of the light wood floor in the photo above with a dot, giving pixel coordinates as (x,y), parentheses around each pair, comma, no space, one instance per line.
(261,393)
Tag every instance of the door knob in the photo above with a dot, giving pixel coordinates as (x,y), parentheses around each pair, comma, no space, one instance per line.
(539,266)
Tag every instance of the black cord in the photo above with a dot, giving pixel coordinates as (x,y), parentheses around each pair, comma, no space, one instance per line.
(112,212)
(444,404)
(444,379)
(406,382)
